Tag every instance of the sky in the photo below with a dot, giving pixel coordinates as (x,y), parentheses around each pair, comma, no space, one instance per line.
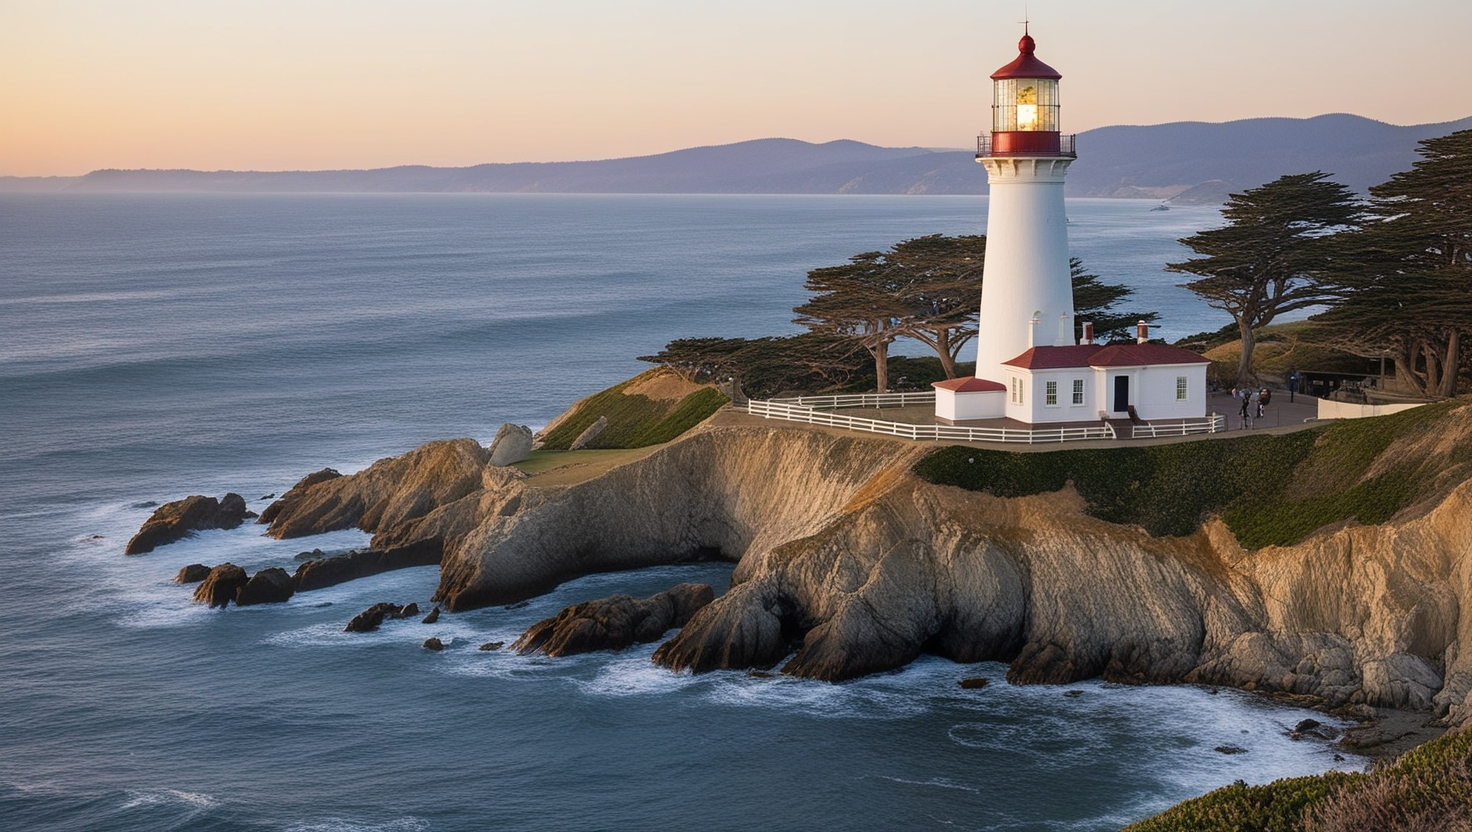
(343,84)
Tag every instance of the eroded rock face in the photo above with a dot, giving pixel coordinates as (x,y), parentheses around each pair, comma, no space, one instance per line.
(390,493)
(849,564)
(182,518)
(219,587)
(614,623)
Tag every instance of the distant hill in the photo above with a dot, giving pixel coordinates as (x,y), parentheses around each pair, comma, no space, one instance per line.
(1199,161)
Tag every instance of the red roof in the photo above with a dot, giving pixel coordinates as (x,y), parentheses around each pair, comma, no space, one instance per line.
(1139,355)
(1055,358)
(971,385)
(1096,355)
(1026,66)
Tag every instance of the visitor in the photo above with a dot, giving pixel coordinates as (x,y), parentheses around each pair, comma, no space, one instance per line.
(1292,385)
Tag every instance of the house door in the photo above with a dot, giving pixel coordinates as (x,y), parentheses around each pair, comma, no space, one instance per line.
(1121,394)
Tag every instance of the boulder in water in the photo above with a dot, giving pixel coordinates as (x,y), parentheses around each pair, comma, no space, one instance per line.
(181,518)
(368,620)
(434,615)
(614,623)
(218,588)
(268,586)
(433,643)
(192,574)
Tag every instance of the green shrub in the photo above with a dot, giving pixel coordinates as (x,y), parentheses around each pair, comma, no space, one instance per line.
(1276,807)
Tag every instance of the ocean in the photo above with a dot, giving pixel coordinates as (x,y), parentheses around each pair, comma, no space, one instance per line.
(156,346)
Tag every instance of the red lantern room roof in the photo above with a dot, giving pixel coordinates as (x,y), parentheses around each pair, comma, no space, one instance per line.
(1026,66)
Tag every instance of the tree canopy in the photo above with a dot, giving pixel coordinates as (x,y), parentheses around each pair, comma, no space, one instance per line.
(1271,256)
(1094,301)
(1405,276)
(926,288)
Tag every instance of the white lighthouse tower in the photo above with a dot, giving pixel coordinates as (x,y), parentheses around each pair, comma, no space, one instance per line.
(1027,294)
(1032,366)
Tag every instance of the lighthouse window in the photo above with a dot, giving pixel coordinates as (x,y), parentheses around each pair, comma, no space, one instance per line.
(1025,104)
(1050,394)
(1180,388)
(1027,108)
(1078,391)
(1016,390)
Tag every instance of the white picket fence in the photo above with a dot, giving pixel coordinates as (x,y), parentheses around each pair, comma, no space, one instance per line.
(818,410)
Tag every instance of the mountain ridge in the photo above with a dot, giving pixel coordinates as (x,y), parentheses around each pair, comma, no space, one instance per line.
(1122,161)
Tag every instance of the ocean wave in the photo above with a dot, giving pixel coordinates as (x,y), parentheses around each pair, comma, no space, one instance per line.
(157,797)
(335,824)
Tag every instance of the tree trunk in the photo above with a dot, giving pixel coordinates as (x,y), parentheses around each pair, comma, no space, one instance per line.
(1451,365)
(1244,365)
(943,349)
(1433,367)
(881,365)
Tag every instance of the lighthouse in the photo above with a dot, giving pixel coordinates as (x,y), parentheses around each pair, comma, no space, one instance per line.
(1027,293)
(1033,364)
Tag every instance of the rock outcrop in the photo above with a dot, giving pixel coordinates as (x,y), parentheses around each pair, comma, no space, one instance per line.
(848,563)
(335,569)
(614,623)
(369,620)
(590,434)
(182,518)
(389,493)
(192,574)
(268,586)
(219,587)
(512,444)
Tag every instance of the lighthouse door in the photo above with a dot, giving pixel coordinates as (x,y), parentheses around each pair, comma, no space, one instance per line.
(1121,394)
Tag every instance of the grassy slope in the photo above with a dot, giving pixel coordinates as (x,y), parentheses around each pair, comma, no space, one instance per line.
(1268,489)
(634,421)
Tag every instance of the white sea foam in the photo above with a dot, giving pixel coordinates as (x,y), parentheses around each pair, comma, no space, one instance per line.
(410,824)
(937,782)
(157,797)
(632,673)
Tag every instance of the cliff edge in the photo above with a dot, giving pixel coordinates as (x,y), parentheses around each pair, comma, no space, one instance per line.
(849,562)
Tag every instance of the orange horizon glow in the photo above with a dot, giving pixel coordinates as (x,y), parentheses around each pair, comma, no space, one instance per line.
(351,84)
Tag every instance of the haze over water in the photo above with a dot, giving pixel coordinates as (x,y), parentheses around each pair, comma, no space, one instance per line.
(158,346)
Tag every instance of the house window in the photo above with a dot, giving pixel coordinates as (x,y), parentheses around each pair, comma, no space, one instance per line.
(1180,388)
(1050,393)
(1078,391)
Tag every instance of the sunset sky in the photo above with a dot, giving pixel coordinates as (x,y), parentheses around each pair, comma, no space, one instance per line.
(316,84)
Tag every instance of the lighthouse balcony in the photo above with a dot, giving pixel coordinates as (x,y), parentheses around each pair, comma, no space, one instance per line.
(1025,143)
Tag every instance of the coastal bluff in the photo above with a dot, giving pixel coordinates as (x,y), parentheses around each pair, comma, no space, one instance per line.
(848,562)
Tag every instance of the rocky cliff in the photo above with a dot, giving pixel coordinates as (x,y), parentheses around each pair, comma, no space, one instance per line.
(849,563)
